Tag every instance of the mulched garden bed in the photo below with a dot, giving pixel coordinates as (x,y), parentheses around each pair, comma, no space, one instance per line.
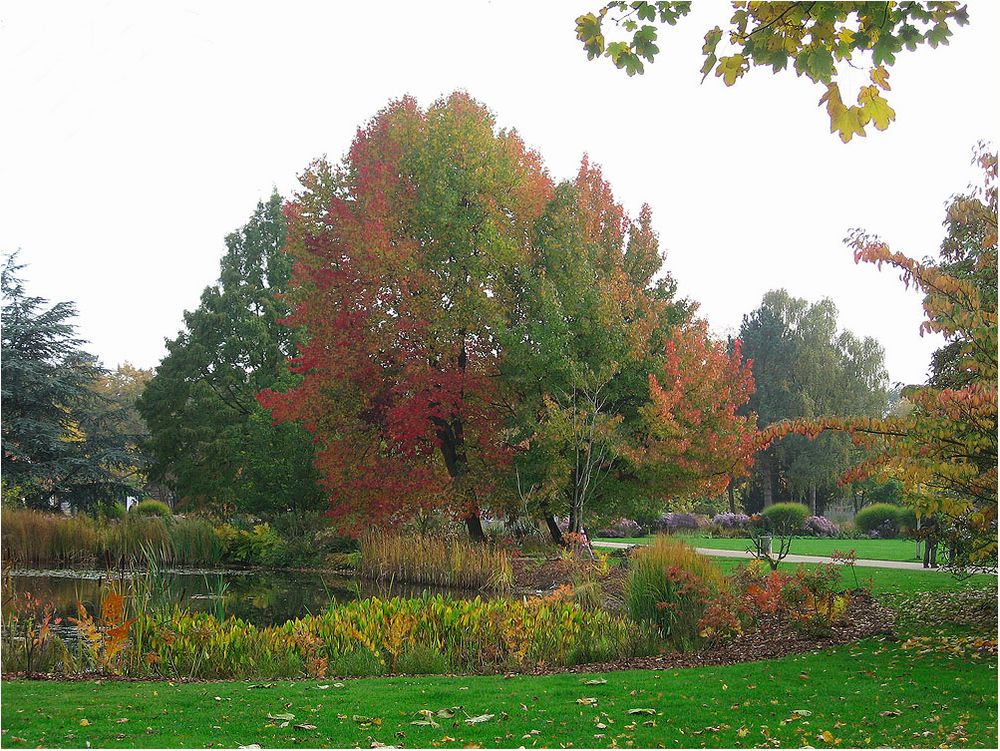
(866,617)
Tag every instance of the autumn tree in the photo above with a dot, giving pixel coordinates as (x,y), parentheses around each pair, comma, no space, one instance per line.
(624,401)
(405,253)
(816,40)
(585,328)
(943,449)
(209,439)
(695,440)
(63,441)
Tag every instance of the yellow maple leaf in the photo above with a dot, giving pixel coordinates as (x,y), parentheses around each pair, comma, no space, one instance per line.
(875,107)
(730,68)
(880,77)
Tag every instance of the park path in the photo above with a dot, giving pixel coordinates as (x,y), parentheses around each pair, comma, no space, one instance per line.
(864,562)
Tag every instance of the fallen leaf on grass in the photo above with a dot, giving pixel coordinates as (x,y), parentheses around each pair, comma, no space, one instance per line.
(643,710)
(802,712)
(594,682)
(305,726)
(478,718)
(890,713)
(286,716)
(84,722)
(363,720)
(587,701)
(428,720)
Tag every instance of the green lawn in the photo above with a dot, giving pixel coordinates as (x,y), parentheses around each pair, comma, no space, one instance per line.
(874,693)
(879,550)
(887,580)
(868,694)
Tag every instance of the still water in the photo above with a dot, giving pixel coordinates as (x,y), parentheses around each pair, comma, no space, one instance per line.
(260,597)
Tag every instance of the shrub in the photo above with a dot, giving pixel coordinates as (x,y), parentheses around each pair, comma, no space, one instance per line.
(675,521)
(729,520)
(820,526)
(906,521)
(418,559)
(622,528)
(785,518)
(879,520)
(260,545)
(151,507)
(114,511)
(669,586)
(808,600)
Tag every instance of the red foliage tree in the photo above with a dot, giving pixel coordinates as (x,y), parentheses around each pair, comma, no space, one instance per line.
(697,443)
(403,256)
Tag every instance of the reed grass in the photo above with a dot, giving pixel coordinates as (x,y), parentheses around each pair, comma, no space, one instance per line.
(422,559)
(670,585)
(37,538)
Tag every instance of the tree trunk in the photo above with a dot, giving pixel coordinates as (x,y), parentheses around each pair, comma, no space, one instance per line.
(554,530)
(812,497)
(765,480)
(732,498)
(475,526)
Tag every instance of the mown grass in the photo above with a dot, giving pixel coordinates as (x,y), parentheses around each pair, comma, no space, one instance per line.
(879,550)
(886,580)
(868,694)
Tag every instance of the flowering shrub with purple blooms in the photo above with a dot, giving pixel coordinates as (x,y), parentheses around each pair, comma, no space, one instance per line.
(729,520)
(677,521)
(622,528)
(884,531)
(820,526)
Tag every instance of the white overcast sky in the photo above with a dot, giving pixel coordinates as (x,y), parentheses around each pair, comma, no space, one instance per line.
(136,135)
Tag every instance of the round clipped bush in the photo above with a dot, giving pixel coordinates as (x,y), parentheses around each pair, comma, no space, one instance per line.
(151,507)
(880,519)
(785,518)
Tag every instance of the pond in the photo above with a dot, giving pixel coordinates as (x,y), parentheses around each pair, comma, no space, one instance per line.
(260,597)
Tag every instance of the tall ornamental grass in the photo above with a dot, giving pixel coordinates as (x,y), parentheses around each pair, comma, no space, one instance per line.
(670,586)
(37,538)
(423,559)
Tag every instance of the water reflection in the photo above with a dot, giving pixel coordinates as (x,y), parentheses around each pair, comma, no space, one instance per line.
(260,597)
